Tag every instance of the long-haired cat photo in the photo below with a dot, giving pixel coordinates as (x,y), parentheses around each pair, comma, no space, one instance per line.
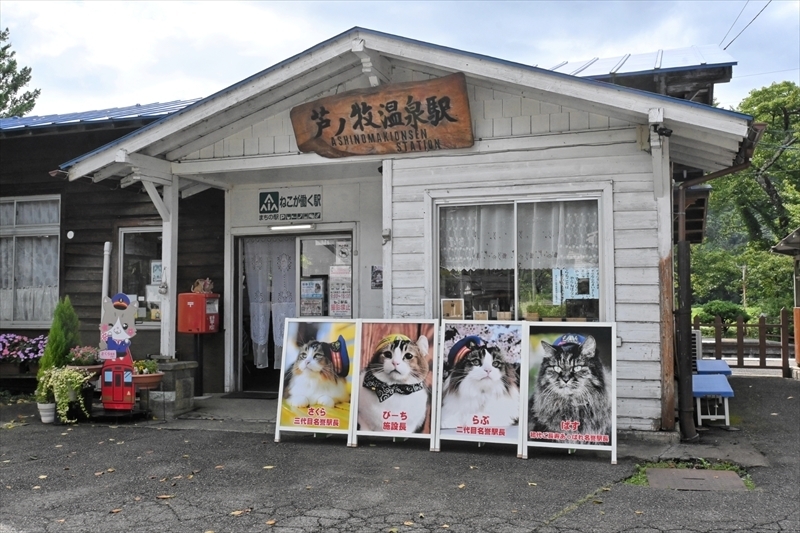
(481,382)
(572,386)
(319,375)
(394,381)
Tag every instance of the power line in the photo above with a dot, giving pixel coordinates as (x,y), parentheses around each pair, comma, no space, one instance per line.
(748,25)
(734,23)
(763,73)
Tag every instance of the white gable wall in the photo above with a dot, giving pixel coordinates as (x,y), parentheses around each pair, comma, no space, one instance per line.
(580,163)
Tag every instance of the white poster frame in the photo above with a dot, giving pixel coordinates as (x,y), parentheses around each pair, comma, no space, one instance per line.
(609,336)
(449,434)
(433,350)
(289,355)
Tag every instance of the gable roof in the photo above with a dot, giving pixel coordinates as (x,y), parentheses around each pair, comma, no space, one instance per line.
(702,136)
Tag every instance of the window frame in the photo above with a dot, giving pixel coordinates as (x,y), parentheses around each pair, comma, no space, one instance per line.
(145,227)
(32,230)
(564,190)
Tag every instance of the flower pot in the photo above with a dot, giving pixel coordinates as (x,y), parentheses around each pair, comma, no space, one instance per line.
(9,369)
(532,317)
(147,381)
(94,369)
(47,412)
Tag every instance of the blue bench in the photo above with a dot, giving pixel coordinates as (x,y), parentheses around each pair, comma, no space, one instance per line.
(713,366)
(713,387)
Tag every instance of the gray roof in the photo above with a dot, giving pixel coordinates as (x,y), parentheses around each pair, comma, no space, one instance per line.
(789,245)
(134,112)
(659,61)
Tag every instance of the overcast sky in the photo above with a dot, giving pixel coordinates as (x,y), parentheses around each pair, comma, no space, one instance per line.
(96,55)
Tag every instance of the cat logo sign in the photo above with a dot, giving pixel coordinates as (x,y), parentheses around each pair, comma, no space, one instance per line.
(268,202)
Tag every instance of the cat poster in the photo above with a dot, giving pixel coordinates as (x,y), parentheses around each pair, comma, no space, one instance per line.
(316,389)
(572,386)
(480,397)
(396,378)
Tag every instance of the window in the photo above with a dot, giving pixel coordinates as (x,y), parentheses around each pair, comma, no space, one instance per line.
(140,273)
(511,258)
(29,259)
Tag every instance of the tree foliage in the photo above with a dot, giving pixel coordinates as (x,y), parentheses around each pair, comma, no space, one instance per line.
(751,210)
(12,81)
(63,336)
(767,195)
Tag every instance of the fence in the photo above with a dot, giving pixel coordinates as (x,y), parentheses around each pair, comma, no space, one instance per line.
(771,339)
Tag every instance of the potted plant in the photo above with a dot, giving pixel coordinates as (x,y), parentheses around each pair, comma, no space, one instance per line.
(64,334)
(45,397)
(87,358)
(531,312)
(68,385)
(20,354)
(146,374)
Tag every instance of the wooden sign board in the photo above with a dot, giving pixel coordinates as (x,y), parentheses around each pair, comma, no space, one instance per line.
(400,118)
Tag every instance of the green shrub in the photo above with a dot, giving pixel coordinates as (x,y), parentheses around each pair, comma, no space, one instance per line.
(64,335)
(727,311)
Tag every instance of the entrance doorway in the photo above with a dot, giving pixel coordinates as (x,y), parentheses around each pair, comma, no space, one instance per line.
(281,277)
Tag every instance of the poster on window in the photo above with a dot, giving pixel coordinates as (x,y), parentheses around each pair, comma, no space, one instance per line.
(479,397)
(312,297)
(395,386)
(572,386)
(341,290)
(319,360)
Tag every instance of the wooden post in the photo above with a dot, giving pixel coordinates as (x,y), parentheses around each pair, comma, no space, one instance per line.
(740,331)
(786,371)
(717,337)
(797,335)
(762,341)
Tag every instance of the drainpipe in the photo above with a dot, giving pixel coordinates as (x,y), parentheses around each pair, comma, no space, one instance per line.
(106,267)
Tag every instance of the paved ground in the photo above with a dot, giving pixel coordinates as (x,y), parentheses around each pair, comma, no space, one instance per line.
(219,469)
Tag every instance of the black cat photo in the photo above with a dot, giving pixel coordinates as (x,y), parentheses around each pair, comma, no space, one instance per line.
(571,400)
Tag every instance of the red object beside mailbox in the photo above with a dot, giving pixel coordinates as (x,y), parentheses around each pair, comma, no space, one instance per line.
(116,384)
(198,312)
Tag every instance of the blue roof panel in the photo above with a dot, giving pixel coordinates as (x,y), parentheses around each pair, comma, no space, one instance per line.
(154,110)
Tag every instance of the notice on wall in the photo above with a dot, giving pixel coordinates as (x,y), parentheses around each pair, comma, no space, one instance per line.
(341,292)
(312,294)
(343,252)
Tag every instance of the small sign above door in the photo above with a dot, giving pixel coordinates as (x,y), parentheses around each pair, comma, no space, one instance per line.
(293,203)
(399,118)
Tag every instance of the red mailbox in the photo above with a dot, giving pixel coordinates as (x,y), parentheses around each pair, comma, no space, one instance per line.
(116,384)
(198,312)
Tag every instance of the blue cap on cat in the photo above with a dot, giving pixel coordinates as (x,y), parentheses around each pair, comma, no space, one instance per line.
(341,361)
(570,338)
(120,301)
(463,347)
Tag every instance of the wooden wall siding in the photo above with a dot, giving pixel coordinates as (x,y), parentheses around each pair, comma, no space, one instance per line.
(617,160)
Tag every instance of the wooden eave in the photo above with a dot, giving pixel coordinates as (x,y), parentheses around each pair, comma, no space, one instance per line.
(702,137)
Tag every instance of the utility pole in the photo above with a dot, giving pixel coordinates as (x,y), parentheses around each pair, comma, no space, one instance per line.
(744,285)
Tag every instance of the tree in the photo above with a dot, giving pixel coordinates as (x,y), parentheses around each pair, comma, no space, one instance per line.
(64,335)
(12,81)
(766,197)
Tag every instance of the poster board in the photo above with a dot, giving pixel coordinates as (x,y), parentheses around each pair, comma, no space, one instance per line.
(306,402)
(558,417)
(481,395)
(397,378)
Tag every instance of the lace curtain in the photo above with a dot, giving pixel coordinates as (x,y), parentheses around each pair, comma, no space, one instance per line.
(34,266)
(550,235)
(558,235)
(271,272)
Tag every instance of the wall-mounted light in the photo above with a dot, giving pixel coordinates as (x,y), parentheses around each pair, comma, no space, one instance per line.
(293,227)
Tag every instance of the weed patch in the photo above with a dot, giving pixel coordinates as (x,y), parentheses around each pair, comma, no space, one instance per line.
(640,477)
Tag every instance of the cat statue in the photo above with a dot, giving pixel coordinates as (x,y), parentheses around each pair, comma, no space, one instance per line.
(394,381)
(118,323)
(572,386)
(202,285)
(319,375)
(481,383)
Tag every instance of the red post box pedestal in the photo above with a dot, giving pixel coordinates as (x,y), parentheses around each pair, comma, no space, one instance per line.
(198,312)
(116,384)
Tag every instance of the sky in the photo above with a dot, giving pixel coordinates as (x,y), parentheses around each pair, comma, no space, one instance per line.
(96,55)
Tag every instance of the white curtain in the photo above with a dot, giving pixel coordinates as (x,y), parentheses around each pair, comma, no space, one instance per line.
(271,271)
(550,235)
(558,235)
(31,274)
(477,237)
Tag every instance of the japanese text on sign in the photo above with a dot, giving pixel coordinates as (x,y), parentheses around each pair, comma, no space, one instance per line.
(296,203)
(399,118)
